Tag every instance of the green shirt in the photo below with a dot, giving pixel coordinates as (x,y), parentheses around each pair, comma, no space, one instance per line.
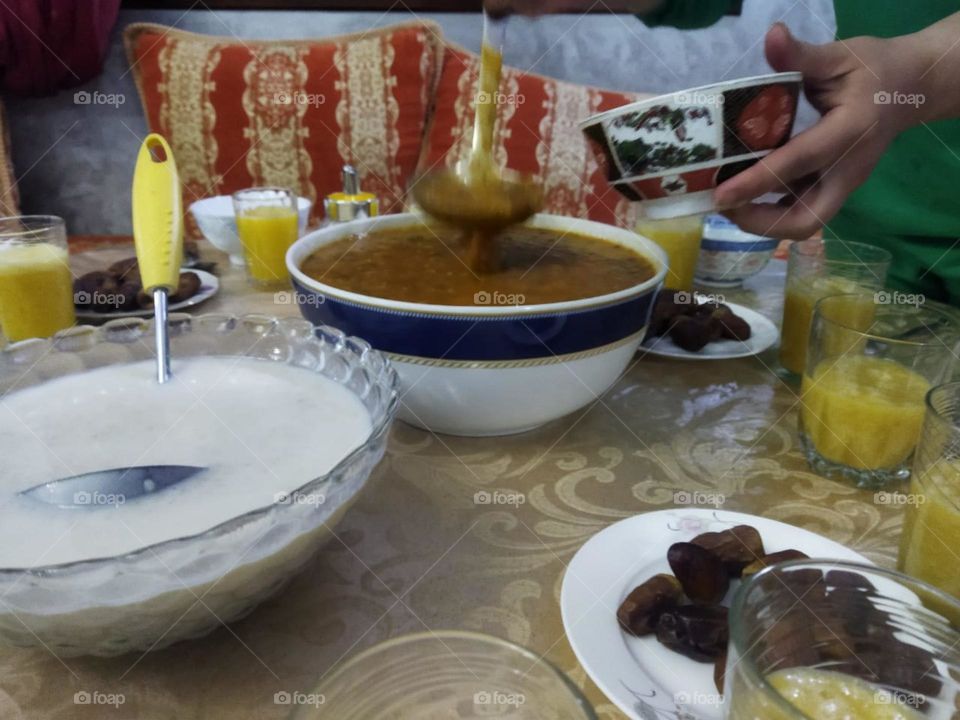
(910,205)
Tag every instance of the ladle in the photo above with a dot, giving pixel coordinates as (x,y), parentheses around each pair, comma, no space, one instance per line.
(475,196)
(158,237)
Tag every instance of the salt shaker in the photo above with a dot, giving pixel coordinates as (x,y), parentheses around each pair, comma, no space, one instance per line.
(352,203)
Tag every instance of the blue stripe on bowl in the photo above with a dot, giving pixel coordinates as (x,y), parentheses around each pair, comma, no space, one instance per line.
(759,245)
(479,338)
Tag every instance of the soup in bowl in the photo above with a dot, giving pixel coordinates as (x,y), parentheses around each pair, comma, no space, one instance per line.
(490,354)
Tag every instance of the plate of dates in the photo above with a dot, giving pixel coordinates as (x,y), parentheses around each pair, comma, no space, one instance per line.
(645,602)
(697,327)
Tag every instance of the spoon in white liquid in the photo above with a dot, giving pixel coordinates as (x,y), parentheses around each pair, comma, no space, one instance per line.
(158,237)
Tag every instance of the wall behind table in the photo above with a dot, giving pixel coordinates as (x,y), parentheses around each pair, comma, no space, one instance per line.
(77,160)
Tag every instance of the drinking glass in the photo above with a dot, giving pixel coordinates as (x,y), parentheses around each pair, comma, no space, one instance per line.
(930,542)
(36,286)
(267,225)
(869,365)
(811,639)
(445,674)
(680,240)
(817,268)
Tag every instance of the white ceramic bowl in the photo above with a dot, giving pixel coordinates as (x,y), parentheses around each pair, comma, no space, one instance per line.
(486,369)
(215,218)
(728,255)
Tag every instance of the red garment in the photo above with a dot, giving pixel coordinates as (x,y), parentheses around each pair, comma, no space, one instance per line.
(47,45)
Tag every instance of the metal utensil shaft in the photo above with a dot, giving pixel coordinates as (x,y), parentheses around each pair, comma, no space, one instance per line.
(162,336)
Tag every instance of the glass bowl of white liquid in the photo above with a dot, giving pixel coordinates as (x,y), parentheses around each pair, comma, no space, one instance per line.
(289,419)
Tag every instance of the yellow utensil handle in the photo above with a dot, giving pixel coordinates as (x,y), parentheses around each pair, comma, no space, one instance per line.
(157,215)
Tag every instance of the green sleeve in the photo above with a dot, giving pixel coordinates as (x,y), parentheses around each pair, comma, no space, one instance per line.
(691,14)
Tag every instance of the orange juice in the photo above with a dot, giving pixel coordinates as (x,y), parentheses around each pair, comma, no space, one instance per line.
(36,290)
(800,297)
(931,531)
(825,695)
(267,233)
(680,239)
(863,412)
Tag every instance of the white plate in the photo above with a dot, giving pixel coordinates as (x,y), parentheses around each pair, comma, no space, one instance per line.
(763,335)
(642,677)
(209,286)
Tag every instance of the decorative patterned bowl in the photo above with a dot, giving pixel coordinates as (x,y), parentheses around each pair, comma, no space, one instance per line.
(215,218)
(148,599)
(671,151)
(728,255)
(488,369)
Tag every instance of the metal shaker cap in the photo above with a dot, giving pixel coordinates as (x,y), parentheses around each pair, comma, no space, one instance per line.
(352,203)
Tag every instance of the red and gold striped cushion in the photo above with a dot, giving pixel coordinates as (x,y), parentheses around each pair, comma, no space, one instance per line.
(289,113)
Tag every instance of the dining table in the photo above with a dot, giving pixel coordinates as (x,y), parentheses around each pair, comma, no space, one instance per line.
(476,533)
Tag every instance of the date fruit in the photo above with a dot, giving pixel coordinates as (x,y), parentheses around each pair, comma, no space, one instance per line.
(694,333)
(720,671)
(700,572)
(736,548)
(639,612)
(698,631)
(772,559)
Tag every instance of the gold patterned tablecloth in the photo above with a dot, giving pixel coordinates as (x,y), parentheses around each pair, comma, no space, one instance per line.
(422,550)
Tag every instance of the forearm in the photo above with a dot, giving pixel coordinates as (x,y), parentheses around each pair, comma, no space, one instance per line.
(633,7)
(928,73)
(498,8)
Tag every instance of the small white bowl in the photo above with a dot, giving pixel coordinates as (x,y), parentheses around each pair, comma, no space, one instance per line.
(728,255)
(216,220)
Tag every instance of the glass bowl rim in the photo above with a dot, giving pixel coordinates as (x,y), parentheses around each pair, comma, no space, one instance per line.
(238,195)
(44,222)
(454,634)
(954,320)
(322,236)
(736,616)
(952,387)
(388,378)
(822,241)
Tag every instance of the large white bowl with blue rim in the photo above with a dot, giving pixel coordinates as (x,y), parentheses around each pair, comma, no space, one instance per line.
(489,370)
(728,255)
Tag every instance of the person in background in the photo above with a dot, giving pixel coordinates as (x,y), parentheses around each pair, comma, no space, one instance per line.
(882,165)
(48,46)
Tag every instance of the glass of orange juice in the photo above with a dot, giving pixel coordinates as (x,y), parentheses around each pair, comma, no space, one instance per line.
(267,225)
(680,240)
(870,363)
(816,639)
(931,530)
(817,268)
(36,286)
